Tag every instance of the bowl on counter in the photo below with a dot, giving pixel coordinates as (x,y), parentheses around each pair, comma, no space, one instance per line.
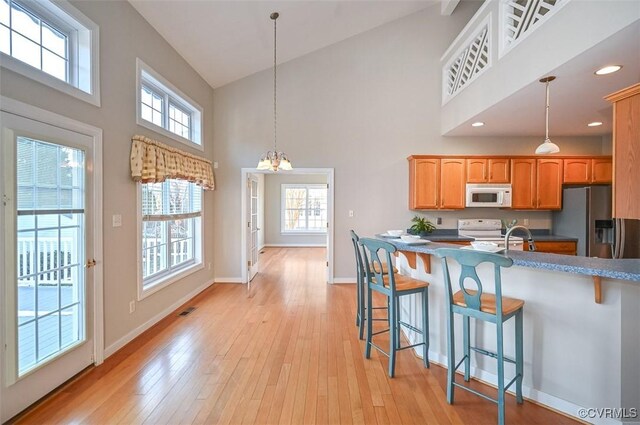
(396,233)
(409,238)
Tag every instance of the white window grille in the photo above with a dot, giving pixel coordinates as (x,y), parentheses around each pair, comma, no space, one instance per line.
(52,43)
(163,108)
(474,57)
(171,230)
(519,18)
(304,208)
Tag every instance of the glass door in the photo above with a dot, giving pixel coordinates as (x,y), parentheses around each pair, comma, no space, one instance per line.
(253,228)
(47,279)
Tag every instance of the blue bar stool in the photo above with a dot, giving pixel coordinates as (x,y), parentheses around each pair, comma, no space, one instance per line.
(488,307)
(393,286)
(362,307)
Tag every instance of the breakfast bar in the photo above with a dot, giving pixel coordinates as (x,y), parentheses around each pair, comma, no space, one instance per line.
(575,349)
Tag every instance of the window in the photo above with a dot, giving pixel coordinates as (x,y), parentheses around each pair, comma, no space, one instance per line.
(171,231)
(304,208)
(52,43)
(166,110)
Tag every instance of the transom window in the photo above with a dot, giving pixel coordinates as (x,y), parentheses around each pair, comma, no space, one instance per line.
(171,229)
(304,208)
(54,40)
(163,108)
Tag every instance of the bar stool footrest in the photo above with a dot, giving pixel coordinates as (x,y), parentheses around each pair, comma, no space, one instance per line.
(413,328)
(478,393)
(379,349)
(410,346)
(511,383)
(380,332)
(491,354)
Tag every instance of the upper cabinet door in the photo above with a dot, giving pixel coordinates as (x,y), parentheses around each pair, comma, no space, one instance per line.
(523,183)
(549,185)
(499,170)
(601,171)
(476,170)
(452,183)
(424,181)
(577,171)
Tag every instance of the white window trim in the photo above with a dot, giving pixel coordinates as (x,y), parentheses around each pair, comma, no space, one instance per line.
(63,11)
(183,101)
(284,232)
(177,275)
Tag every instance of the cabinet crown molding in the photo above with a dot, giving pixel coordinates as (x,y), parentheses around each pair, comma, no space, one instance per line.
(624,93)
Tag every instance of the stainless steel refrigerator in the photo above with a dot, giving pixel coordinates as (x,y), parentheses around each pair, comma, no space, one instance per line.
(586,215)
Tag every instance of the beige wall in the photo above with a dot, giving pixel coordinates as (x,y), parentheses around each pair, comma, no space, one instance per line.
(273,207)
(360,106)
(124,35)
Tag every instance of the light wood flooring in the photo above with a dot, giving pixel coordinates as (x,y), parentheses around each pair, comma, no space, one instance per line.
(286,352)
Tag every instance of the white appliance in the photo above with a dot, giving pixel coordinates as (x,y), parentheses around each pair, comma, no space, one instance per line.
(489,230)
(489,195)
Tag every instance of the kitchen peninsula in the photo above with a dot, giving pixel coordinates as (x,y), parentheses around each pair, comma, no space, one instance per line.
(574,348)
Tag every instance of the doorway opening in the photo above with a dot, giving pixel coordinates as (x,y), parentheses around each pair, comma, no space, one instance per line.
(288,209)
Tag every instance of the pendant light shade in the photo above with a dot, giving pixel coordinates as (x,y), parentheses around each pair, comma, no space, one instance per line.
(275,160)
(547,147)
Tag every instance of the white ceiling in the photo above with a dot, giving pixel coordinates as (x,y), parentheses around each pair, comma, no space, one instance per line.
(228,40)
(576,96)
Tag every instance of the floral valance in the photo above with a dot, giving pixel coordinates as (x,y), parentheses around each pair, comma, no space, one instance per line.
(154,162)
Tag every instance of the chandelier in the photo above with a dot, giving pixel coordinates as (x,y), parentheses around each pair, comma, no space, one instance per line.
(274,160)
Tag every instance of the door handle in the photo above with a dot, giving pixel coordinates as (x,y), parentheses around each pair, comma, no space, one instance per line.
(91,263)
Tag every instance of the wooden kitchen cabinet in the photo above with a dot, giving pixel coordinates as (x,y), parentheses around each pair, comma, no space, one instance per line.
(626,152)
(436,183)
(549,184)
(488,170)
(601,170)
(587,171)
(555,247)
(452,183)
(523,183)
(424,182)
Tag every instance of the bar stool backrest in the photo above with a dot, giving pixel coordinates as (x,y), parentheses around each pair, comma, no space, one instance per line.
(468,261)
(359,266)
(373,263)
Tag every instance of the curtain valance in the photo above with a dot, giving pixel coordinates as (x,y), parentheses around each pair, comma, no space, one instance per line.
(154,162)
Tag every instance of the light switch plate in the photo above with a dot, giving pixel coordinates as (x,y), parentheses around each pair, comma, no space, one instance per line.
(117,220)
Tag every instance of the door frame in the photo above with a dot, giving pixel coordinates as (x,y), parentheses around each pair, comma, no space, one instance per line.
(329,172)
(27,111)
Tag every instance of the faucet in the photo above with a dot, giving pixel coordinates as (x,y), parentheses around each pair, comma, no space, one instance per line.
(532,244)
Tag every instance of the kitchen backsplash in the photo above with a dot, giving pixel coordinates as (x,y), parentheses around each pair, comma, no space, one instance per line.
(536,219)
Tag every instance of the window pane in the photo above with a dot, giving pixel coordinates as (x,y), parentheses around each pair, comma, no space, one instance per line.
(26,346)
(70,286)
(26,299)
(154,260)
(157,118)
(5,40)
(152,199)
(54,40)
(145,96)
(156,102)
(146,112)
(48,335)
(154,233)
(70,331)
(179,199)
(25,23)
(54,65)
(26,50)
(4,12)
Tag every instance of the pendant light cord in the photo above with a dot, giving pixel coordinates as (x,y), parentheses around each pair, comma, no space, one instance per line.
(275,87)
(547,115)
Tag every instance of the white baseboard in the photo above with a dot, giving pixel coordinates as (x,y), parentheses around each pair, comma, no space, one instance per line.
(539,397)
(342,280)
(155,319)
(295,245)
(228,280)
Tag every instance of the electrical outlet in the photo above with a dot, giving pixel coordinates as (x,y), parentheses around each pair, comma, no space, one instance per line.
(132,306)
(209,266)
(526,221)
(439,220)
(350,213)
(116,220)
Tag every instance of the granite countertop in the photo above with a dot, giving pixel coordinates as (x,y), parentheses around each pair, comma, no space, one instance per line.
(451,235)
(624,269)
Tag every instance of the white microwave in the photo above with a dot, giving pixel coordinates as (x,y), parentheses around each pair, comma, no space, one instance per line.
(489,195)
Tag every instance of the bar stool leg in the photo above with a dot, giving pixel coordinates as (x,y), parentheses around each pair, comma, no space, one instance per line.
(451,354)
(466,346)
(367,350)
(425,327)
(392,337)
(519,357)
(362,309)
(397,330)
(500,374)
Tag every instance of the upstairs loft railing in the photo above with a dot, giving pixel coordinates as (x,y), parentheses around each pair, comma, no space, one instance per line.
(473,52)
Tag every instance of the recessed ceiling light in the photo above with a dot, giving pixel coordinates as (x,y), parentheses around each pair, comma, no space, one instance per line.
(477,124)
(609,69)
(594,124)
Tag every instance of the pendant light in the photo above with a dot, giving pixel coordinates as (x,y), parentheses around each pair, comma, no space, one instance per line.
(274,160)
(547,147)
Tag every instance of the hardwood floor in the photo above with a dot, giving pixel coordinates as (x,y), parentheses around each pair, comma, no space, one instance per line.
(286,352)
